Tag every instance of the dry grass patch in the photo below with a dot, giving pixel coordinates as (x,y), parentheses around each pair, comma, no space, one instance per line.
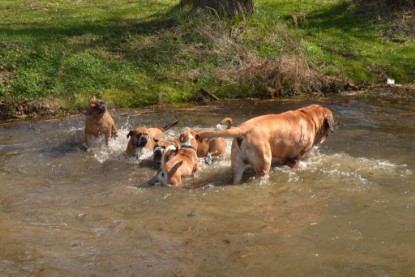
(287,75)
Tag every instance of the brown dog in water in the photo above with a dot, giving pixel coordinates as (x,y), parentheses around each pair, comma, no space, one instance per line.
(160,147)
(210,148)
(286,137)
(144,139)
(183,164)
(98,121)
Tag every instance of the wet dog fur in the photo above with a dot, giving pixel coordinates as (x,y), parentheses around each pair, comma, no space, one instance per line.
(285,137)
(98,121)
(142,139)
(211,148)
(159,149)
(183,164)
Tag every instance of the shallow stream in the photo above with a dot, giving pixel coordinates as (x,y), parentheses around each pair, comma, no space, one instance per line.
(349,210)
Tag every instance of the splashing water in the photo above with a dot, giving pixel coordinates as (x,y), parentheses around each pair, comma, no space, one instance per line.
(348,209)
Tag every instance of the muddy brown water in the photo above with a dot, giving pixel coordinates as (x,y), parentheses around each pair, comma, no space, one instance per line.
(349,210)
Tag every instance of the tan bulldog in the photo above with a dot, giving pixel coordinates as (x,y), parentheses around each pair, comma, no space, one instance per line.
(144,139)
(160,147)
(286,137)
(210,148)
(183,164)
(98,121)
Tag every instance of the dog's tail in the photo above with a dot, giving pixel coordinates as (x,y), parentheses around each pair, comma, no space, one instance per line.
(228,133)
(228,122)
(168,126)
(166,156)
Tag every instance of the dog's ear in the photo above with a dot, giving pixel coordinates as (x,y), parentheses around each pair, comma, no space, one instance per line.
(197,137)
(329,123)
(131,133)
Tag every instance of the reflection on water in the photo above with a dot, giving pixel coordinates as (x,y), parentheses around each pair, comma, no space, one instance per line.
(347,211)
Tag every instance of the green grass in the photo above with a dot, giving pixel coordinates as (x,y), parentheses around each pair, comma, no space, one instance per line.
(353,44)
(137,53)
(341,42)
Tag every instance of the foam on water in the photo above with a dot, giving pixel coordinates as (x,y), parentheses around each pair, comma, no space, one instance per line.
(72,130)
(116,147)
(358,173)
(346,164)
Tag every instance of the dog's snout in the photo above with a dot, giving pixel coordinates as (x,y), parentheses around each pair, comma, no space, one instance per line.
(142,141)
(100,107)
(158,151)
(157,155)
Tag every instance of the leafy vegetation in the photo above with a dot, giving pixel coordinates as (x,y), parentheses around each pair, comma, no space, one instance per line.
(136,53)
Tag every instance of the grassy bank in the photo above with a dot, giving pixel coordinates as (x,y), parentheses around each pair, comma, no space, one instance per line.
(137,53)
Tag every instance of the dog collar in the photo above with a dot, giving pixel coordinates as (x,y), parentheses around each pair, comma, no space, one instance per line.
(188,146)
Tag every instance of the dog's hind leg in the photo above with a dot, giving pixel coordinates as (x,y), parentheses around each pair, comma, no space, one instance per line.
(238,168)
(239,162)
(262,168)
(262,159)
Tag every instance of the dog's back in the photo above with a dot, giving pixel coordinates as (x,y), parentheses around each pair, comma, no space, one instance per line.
(183,164)
(286,137)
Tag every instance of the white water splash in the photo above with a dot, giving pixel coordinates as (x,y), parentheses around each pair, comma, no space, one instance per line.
(358,172)
(72,130)
(116,147)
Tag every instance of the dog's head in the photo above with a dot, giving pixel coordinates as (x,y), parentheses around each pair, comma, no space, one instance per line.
(159,148)
(323,117)
(95,107)
(140,137)
(189,138)
(162,143)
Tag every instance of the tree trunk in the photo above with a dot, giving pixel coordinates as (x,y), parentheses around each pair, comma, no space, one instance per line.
(225,8)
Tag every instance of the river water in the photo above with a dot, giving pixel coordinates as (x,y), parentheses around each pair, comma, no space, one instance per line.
(349,210)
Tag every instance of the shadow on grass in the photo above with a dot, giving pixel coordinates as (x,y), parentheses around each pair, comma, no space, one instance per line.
(112,34)
(339,18)
(83,56)
(67,27)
